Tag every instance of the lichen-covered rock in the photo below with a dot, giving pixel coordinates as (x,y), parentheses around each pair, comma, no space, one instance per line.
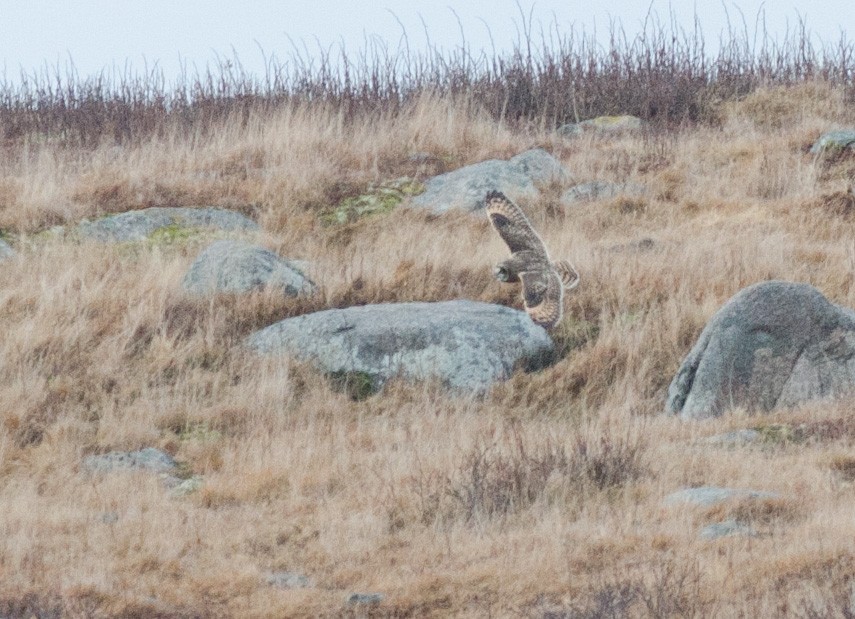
(378,199)
(773,345)
(600,190)
(834,141)
(465,344)
(465,188)
(602,124)
(233,266)
(139,225)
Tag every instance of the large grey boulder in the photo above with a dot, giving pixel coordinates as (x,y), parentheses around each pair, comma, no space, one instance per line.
(465,344)
(465,188)
(233,266)
(834,141)
(139,225)
(773,345)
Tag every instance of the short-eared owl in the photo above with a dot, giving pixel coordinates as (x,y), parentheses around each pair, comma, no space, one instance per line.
(543,281)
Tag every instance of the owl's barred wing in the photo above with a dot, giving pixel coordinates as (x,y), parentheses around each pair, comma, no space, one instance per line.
(567,272)
(512,224)
(543,296)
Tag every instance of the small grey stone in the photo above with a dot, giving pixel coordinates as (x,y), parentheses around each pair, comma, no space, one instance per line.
(706,496)
(6,250)
(233,266)
(465,344)
(183,487)
(138,225)
(355,599)
(288,580)
(725,529)
(834,141)
(600,190)
(110,517)
(148,459)
(773,345)
(733,439)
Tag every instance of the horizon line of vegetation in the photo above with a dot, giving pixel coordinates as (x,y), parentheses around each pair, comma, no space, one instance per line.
(663,75)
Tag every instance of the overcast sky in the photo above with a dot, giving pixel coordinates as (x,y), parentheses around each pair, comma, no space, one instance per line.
(102,33)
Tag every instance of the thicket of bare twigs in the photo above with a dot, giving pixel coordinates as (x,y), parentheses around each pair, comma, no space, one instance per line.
(543,498)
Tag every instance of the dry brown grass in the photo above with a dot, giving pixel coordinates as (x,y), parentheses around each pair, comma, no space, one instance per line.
(542,499)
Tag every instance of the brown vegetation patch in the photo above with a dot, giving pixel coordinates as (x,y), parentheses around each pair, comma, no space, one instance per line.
(838,203)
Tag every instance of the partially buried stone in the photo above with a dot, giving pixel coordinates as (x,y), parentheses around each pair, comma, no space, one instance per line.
(148,459)
(232,266)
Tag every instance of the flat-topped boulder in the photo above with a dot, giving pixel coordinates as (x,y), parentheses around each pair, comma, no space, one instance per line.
(773,345)
(233,266)
(519,178)
(140,225)
(465,344)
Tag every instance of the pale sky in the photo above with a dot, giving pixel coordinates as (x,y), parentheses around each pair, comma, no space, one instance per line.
(102,33)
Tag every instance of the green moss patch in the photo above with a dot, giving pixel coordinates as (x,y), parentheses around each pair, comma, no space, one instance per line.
(172,234)
(377,199)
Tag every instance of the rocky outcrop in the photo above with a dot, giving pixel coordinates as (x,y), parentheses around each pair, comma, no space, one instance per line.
(465,344)
(233,266)
(139,225)
(519,178)
(773,345)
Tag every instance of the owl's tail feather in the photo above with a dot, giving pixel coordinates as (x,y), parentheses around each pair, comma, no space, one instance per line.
(568,274)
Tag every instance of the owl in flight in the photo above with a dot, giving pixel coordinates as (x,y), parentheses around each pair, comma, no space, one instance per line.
(543,281)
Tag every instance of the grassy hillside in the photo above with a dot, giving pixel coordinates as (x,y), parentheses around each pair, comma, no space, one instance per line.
(543,498)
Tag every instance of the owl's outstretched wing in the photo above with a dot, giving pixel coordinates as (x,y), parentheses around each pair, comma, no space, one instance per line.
(512,225)
(543,296)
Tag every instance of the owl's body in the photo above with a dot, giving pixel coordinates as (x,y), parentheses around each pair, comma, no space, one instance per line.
(543,281)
